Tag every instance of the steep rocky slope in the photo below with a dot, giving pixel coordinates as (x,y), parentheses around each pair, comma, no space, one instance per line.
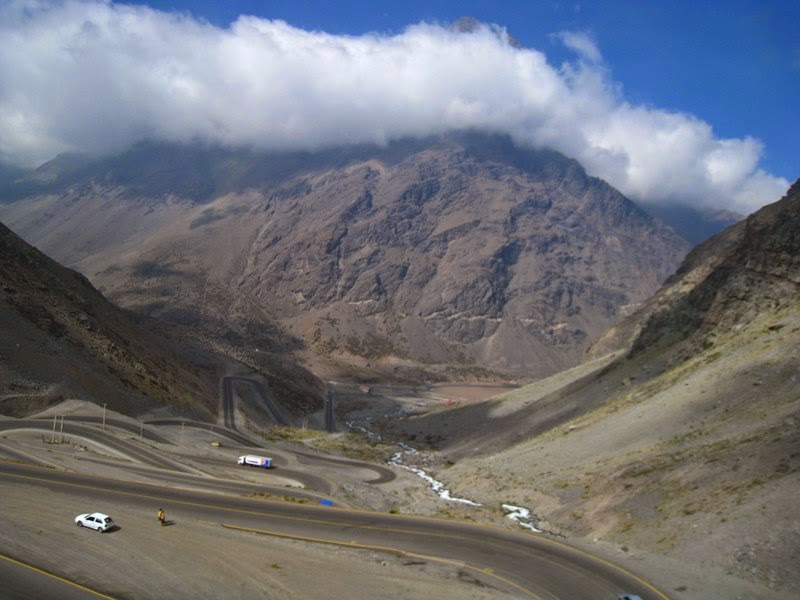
(684,441)
(62,339)
(748,269)
(454,257)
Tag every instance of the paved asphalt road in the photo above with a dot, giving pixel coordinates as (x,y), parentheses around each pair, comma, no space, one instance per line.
(144,456)
(261,394)
(135,451)
(527,565)
(21,581)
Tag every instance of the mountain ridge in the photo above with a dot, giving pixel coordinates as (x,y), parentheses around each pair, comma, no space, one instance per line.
(678,435)
(62,339)
(459,256)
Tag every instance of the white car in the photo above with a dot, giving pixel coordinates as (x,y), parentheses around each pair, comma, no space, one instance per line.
(97,521)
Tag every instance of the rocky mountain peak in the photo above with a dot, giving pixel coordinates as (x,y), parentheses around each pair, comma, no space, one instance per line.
(460,255)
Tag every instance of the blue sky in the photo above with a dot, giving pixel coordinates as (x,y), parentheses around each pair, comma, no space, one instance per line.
(669,101)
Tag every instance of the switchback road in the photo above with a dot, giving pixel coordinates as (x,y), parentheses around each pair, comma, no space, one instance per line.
(526,565)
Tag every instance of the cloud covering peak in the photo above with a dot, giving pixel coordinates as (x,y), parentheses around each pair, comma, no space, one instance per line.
(93,76)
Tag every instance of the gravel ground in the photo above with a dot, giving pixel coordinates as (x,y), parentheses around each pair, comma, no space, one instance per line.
(702,565)
(192,559)
(204,560)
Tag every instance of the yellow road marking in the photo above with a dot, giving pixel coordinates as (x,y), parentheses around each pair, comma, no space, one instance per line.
(54,576)
(610,564)
(542,539)
(387,549)
(140,494)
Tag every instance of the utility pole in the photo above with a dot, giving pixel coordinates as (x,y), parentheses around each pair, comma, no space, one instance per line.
(104,416)
(330,424)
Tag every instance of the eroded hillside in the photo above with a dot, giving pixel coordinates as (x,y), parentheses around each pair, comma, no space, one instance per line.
(685,442)
(62,339)
(459,257)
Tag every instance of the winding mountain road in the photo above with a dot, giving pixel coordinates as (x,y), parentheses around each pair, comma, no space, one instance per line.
(262,396)
(143,455)
(105,438)
(527,566)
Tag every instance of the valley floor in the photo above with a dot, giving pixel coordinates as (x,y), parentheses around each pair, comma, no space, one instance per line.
(195,559)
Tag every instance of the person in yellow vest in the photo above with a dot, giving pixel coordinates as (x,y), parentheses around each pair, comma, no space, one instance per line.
(161,516)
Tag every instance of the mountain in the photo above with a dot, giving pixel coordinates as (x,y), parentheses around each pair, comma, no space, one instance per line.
(8,174)
(452,257)
(748,269)
(693,224)
(679,434)
(62,339)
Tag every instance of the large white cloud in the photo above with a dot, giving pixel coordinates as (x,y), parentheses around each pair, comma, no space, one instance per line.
(94,76)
